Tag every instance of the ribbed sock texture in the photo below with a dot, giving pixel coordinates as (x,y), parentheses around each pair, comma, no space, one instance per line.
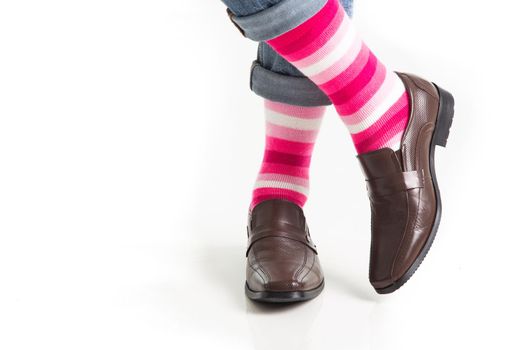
(371,99)
(291,132)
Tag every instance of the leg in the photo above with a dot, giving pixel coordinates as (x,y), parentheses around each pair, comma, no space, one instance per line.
(286,89)
(272,77)
(294,108)
(325,47)
(396,121)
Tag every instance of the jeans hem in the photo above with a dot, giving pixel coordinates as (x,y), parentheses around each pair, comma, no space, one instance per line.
(298,91)
(278,19)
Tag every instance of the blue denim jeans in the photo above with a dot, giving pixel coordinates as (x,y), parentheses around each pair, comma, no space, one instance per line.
(272,77)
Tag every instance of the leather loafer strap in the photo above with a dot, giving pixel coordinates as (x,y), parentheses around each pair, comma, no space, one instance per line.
(398,182)
(301,237)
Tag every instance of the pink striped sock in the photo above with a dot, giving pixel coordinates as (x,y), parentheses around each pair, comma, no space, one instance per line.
(371,99)
(290,138)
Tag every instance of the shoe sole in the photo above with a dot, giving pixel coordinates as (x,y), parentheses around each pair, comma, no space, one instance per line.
(439,138)
(283,297)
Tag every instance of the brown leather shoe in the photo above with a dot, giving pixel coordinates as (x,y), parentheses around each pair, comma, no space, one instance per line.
(282,263)
(403,189)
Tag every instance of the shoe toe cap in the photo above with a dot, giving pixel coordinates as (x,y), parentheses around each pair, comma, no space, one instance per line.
(283,278)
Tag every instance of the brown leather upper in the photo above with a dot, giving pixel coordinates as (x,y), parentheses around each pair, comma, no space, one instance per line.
(281,256)
(401,191)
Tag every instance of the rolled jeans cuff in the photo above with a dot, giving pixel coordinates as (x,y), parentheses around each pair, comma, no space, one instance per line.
(299,91)
(277,19)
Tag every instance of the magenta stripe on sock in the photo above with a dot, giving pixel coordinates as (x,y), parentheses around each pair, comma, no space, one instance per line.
(293,147)
(320,40)
(347,75)
(357,84)
(284,172)
(381,122)
(327,49)
(362,96)
(306,32)
(286,158)
(382,139)
(364,112)
(262,194)
(284,169)
(383,129)
(330,45)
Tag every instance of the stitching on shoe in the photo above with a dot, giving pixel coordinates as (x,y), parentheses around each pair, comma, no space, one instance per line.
(260,266)
(257,272)
(396,257)
(310,269)
(305,259)
(401,249)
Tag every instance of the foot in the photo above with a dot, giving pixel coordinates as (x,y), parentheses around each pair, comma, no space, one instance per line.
(403,189)
(282,263)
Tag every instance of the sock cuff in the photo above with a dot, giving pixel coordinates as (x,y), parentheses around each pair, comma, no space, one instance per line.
(276,20)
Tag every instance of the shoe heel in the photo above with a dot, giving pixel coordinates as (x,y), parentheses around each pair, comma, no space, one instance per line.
(445,116)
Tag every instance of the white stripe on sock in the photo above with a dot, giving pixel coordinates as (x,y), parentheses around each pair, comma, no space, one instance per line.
(397,91)
(338,52)
(293,122)
(283,185)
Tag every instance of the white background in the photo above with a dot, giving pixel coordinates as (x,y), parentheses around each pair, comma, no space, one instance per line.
(129,144)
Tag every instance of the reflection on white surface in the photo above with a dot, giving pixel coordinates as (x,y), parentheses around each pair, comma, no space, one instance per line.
(282,327)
